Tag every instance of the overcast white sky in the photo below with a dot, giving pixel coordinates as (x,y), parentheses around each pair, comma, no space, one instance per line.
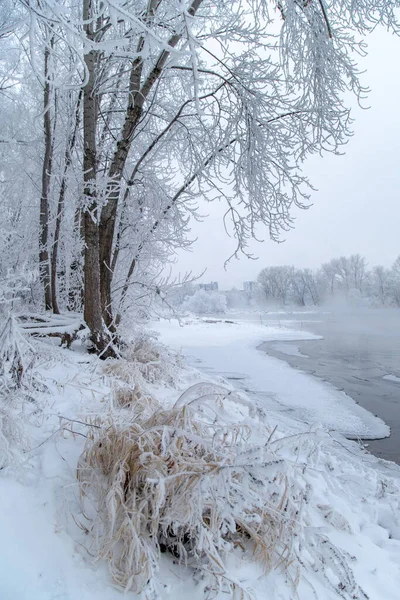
(356,207)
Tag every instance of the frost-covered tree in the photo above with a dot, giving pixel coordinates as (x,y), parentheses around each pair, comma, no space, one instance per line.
(203,302)
(329,276)
(357,269)
(395,282)
(305,287)
(379,285)
(276,283)
(191,99)
(344,274)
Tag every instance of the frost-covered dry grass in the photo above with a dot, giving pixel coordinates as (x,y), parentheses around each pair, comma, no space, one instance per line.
(145,361)
(189,481)
(186,488)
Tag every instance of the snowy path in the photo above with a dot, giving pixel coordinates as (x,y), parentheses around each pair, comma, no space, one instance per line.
(230,349)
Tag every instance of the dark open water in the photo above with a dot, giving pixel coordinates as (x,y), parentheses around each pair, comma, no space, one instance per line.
(360,354)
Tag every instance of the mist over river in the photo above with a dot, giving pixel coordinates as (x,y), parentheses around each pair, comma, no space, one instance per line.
(359,354)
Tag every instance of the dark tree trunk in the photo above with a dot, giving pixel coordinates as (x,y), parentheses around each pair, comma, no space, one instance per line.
(92,305)
(76,299)
(60,207)
(54,253)
(44,265)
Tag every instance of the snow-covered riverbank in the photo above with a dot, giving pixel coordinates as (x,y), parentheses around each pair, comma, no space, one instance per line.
(230,348)
(348,529)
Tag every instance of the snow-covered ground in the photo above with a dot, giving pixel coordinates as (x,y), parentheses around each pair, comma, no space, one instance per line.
(349,530)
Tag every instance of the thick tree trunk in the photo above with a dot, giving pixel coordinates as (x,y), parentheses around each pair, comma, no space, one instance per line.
(92,308)
(44,266)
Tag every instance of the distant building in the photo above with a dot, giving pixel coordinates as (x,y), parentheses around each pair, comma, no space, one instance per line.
(250,286)
(209,287)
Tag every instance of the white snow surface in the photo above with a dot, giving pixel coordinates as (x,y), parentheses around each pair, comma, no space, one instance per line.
(224,347)
(353,503)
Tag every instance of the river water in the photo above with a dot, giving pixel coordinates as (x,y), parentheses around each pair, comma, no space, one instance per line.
(359,354)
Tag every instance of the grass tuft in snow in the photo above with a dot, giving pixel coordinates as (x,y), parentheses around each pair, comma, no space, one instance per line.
(144,360)
(186,482)
(142,403)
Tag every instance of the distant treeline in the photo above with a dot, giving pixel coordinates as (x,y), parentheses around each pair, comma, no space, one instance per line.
(343,279)
(346,277)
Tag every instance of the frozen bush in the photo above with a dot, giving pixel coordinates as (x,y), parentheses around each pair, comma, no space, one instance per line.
(144,360)
(15,359)
(14,353)
(195,484)
(187,484)
(13,437)
(143,404)
(205,303)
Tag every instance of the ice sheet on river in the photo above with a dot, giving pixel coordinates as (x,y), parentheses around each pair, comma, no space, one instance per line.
(232,348)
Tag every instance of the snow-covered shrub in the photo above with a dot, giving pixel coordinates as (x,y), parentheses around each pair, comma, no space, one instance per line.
(205,303)
(15,284)
(13,437)
(15,358)
(208,481)
(188,482)
(143,361)
(14,350)
(143,404)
